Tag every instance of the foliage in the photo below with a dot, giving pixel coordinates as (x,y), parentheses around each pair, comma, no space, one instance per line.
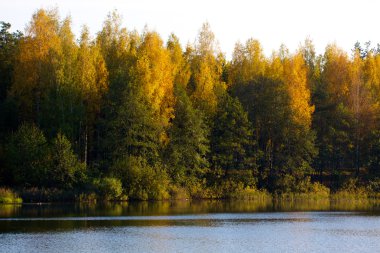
(135,131)
(288,147)
(188,143)
(178,193)
(66,171)
(351,189)
(153,74)
(206,70)
(127,113)
(9,43)
(7,196)
(232,141)
(374,185)
(37,64)
(248,62)
(27,154)
(141,180)
(109,188)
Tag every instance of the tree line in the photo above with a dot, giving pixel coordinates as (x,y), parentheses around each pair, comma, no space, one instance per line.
(133,115)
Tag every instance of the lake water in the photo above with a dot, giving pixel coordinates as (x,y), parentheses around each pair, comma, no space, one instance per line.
(205,226)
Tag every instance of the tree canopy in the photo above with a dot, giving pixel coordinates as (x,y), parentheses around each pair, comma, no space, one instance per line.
(129,113)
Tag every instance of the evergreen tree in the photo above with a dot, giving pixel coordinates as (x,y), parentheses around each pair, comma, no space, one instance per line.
(332,120)
(135,131)
(8,51)
(232,142)
(188,145)
(288,149)
(27,156)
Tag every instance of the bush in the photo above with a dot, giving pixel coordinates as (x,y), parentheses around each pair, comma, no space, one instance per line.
(319,190)
(7,196)
(351,190)
(87,197)
(199,190)
(66,171)
(302,188)
(248,193)
(314,190)
(177,192)
(141,180)
(284,184)
(109,188)
(373,187)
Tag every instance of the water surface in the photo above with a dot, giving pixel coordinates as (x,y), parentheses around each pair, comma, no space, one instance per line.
(205,226)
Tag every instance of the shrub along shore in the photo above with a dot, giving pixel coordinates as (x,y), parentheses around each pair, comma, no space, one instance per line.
(111,191)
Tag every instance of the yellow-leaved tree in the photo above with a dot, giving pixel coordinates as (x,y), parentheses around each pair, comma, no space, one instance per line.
(37,63)
(295,79)
(181,67)
(248,62)
(206,71)
(92,80)
(335,74)
(153,74)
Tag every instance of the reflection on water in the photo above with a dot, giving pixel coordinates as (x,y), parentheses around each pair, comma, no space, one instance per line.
(193,226)
(183,207)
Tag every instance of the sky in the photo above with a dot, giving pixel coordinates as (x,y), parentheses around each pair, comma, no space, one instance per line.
(272,22)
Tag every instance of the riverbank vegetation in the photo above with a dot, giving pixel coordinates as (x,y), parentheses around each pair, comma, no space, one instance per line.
(7,196)
(126,115)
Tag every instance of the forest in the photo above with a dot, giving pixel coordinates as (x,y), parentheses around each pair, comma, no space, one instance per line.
(126,115)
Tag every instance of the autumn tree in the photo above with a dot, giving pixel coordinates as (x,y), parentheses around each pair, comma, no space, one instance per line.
(92,80)
(60,105)
(248,62)
(37,64)
(181,66)
(153,73)
(332,120)
(140,114)
(295,79)
(118,48)
(206,71)
(364,105)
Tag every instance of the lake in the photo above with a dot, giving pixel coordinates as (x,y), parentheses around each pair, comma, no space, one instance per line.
(192,226)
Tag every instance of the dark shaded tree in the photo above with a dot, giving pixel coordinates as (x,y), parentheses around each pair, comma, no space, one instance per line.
(28,157)
(66,170)
(232,141)
(188,143)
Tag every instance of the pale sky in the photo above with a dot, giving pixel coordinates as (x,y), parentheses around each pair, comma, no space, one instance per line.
(272,22)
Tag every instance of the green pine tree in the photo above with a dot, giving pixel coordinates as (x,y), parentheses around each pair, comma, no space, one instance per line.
(27,154)
(135,131)
(188,146)
(232,143)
